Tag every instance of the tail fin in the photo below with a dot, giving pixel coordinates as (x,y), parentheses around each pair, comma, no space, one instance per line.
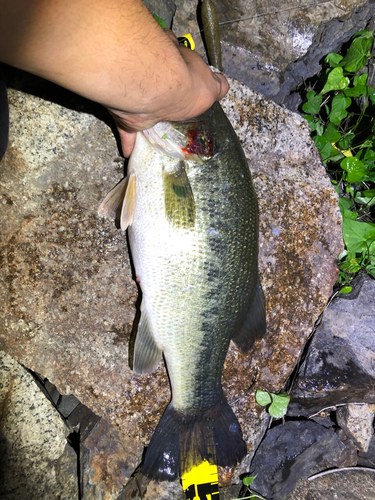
(182,441)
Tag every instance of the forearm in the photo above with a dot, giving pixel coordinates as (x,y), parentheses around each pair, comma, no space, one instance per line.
(93,46)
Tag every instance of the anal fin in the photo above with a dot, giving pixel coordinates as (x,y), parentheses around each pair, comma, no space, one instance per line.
(254,326)
(147,354)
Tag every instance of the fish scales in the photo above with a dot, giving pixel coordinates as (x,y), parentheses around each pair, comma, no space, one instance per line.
(198,271)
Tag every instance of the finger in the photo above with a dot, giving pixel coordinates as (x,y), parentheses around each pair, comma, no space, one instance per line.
(127,141)
(223,85)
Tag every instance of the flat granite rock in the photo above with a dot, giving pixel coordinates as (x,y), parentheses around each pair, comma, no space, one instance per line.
(36,460)
(66,281)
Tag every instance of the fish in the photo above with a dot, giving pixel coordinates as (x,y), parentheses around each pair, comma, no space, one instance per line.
(191,212)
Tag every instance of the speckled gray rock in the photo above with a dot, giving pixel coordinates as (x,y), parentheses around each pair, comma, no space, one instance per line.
(272,46)
(36,460)
(348,484)
(339,366)
(66,287)
(357,422)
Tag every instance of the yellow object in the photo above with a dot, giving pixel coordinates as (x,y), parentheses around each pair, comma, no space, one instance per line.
(187,40)
(347,152)
(201,482)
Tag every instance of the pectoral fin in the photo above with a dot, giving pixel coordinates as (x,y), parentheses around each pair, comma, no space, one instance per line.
(128,206)
(147,354)
(179,198)
(112,203)
(254,326)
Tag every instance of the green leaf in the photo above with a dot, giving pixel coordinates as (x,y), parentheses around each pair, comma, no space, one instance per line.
(336,81)
(263,398)
(338,109)
(356,57)
(279,405)
(345,204)
(354,167)
(369,193)
(313,103)
(369,201)
(364,34)
(351,266)
(346,289)
(324,146)
(161,22)
(360,79)
(331,133)
(333,59)
(248,480)
(357,91)
(344,142)
(348,214)
(357,234)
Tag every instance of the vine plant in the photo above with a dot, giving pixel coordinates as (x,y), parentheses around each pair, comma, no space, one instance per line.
(340,110)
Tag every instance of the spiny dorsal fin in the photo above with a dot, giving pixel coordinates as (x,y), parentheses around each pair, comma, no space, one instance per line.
(179,198)
(128,206)
(254,326)
(146,353)
(112,203)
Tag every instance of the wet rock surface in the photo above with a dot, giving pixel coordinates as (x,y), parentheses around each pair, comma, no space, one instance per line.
(69,299)
(339,366)
(36,459)
(272,46)
(294,451)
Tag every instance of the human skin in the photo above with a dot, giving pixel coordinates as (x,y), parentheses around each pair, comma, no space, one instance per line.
(112,52)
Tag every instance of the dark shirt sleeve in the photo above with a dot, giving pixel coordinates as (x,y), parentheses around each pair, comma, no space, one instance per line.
(4,115)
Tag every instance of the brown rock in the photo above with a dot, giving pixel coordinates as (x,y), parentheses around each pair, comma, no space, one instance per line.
(108,459)
(66,288)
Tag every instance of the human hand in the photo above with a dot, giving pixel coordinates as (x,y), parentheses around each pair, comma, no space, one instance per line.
(200,90)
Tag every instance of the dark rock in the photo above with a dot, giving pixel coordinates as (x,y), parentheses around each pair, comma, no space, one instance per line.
(351,484)
(294,451)
(323,420)
(52,391)
(329,38)
(272,46)
(339,366)
(367,458)
(67,404)
(82,420)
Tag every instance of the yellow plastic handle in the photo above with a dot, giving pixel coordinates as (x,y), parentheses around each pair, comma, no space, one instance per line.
(201,482)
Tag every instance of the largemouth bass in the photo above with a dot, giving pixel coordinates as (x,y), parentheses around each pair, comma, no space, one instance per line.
(192,218)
